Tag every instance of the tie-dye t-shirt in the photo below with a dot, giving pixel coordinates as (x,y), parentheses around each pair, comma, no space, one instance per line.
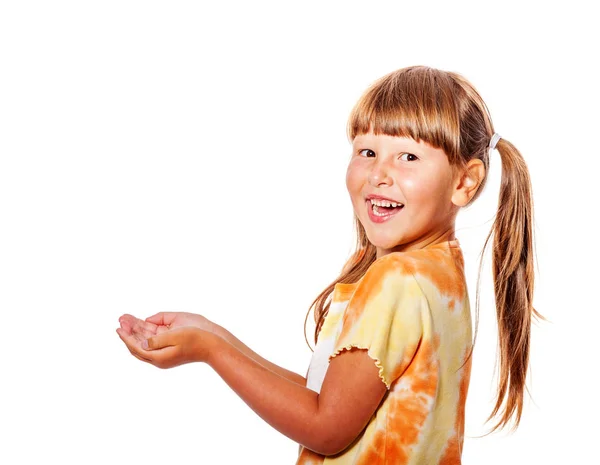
(411,311)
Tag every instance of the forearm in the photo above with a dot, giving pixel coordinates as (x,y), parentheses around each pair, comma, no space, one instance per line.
(290,375)
(287,406)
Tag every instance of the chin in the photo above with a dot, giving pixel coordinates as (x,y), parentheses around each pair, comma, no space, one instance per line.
(385,245)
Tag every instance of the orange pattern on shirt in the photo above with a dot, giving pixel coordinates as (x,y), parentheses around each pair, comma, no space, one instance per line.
(411,312)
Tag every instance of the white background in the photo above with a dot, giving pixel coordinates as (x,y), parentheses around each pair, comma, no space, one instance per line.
(163,156)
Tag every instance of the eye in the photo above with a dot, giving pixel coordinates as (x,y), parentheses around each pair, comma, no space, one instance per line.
(369,152)
(410,155)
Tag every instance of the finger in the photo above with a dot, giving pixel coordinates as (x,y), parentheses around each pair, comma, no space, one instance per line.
(133,325)
(162,358)
(126,322)
(159,359)
(160,341)
(131,330)
(126,337)
(162,318)
(144,328)
(140,338)
(161,329)
(134,346)
(146,360)
(126,326)
(139,328)
(127,318)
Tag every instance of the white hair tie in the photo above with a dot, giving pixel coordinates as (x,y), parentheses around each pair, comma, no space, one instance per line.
(495,138)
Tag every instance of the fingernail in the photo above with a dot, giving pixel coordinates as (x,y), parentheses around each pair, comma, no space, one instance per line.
(145,344)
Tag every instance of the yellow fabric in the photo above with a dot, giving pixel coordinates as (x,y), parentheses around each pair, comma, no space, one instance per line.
(411,312)
(388,324)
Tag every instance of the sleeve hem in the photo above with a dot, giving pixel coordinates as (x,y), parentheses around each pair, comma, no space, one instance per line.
(375,359)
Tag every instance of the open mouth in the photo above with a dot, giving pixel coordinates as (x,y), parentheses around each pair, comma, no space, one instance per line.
(384,208)
(385,211)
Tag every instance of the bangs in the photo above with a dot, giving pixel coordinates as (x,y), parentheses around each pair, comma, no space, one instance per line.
(416,102)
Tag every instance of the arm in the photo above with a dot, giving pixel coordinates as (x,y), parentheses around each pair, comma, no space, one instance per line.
(325,423)
(164,321)
(239,345)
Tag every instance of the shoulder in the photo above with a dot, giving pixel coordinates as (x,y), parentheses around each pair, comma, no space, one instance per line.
(436,269)
(396,266)
(389,278)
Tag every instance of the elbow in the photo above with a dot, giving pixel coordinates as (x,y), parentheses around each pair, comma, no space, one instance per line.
(335,432)
(334,447)
(333,441)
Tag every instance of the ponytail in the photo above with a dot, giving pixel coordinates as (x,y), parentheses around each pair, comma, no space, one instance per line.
(513,274)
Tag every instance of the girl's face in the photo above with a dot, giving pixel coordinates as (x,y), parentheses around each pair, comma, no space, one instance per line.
(404,171)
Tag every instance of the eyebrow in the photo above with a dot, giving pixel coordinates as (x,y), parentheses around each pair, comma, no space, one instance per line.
(416,148)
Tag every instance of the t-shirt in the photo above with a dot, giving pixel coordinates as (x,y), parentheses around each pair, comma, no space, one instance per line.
(411,311)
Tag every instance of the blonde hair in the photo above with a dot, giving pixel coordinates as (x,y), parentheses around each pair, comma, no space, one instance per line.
(443,109)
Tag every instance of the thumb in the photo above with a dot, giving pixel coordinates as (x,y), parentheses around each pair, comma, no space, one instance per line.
(160,341)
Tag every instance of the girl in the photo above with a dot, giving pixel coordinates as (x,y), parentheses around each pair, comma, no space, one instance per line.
(388,379)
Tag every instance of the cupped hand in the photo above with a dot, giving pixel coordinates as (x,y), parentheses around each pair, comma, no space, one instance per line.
(171,348)
(134,332)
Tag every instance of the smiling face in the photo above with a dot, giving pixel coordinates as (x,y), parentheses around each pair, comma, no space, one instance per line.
(412,173)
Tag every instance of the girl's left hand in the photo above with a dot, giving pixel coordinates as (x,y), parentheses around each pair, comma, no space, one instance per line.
(171,348)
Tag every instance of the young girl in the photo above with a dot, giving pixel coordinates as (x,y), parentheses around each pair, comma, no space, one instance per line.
(388,379)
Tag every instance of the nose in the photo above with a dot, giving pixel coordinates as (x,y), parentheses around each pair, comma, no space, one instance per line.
(379,174)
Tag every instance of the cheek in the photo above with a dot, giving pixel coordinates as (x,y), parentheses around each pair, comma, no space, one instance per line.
(422,189)
(415,187)
(431,193)
(352,179)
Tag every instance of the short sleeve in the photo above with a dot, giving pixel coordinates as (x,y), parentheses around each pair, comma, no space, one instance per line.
(384,316)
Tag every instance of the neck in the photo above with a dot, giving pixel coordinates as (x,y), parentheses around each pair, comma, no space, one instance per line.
(421,243)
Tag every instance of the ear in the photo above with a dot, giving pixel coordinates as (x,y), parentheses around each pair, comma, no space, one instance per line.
(467,182)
